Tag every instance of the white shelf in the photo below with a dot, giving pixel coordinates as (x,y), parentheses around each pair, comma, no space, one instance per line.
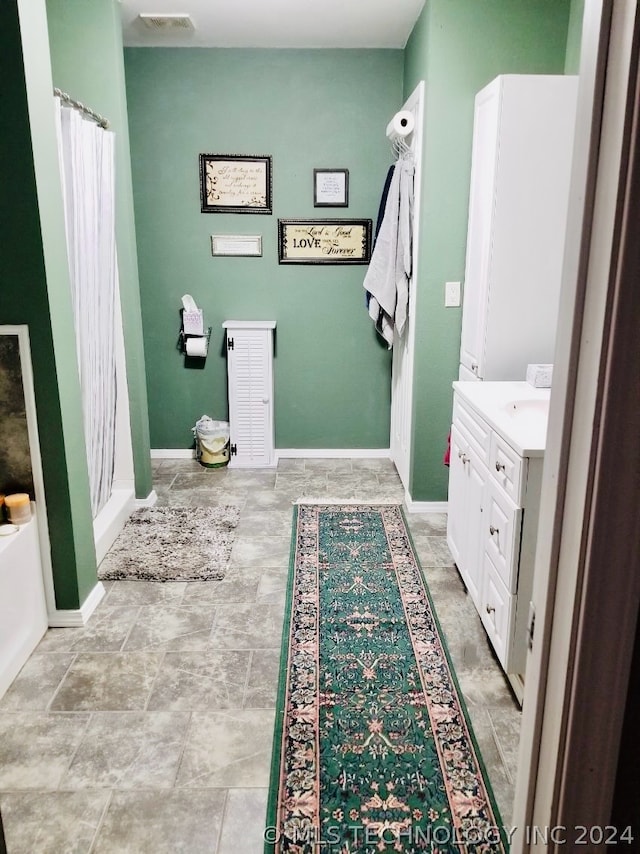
(249,324)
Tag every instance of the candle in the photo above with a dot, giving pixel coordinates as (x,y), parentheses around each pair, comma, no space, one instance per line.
(18,508)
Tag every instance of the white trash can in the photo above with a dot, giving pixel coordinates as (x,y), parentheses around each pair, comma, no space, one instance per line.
(212,442)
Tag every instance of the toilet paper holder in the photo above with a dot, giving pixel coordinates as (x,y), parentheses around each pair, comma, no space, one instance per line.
(184,337)
(193,339)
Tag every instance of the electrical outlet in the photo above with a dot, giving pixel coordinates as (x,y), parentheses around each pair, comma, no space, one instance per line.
(451,294)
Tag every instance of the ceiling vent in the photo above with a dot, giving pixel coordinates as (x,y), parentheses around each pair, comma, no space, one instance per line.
(166,22)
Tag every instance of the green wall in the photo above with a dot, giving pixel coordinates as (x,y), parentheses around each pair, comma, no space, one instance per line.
(84,43)
(87,61)
(457,47)
(34,287)
(306,109)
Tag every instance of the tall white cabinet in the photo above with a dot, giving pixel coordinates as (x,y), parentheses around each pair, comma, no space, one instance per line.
(521,164)
(250,387)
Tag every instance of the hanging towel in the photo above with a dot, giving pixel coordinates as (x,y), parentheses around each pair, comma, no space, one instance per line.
(381,210)
(383,201)
(387,279)
(446,459)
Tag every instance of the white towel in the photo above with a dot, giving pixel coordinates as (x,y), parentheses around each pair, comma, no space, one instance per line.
(389,274)
(382,321)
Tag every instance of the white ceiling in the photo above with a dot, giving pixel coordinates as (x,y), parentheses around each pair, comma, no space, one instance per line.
(276,23)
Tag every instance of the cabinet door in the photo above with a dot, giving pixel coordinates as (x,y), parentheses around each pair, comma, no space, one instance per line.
(479,234)
(457,497)
(467,476)
(501,534)
(476,491)
(497,611)
(250,380)
(529,222)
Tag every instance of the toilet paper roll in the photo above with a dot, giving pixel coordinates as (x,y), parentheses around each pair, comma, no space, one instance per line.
(196,347)
(402,124)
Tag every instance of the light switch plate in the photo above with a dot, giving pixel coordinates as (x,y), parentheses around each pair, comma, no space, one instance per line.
(451,294)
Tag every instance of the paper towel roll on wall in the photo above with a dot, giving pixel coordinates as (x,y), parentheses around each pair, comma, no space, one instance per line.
(196,346)
(401,125)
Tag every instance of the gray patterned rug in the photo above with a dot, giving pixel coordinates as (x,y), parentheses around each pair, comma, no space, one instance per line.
(173,544)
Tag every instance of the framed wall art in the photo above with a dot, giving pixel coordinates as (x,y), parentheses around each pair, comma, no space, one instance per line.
(331,188)
(235,183)
(324,241)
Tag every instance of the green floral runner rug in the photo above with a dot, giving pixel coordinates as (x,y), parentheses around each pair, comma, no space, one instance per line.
(373,751)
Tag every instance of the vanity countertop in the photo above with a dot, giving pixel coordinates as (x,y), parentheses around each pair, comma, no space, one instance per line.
(517,411)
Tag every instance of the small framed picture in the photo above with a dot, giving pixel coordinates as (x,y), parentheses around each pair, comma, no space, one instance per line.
(235,183)
(331,188)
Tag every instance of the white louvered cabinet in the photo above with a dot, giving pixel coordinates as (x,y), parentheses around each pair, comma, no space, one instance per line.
(249,346)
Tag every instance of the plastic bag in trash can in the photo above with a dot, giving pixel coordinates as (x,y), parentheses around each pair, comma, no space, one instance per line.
(212,441)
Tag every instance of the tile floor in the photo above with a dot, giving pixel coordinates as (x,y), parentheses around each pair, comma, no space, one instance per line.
(149,731)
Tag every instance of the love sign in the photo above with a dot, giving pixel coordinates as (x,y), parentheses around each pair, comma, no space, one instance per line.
(324,241)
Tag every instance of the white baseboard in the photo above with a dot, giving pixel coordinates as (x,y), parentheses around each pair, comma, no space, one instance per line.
(149,501)
(74,618)
(287,453)
(332,453)
(517,683)
(425,506)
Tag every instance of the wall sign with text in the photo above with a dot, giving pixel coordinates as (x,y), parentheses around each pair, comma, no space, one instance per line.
(331,188)
(324,241)
(234,183)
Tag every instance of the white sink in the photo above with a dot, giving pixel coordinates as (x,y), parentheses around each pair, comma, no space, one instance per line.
(527,409)
(516,410)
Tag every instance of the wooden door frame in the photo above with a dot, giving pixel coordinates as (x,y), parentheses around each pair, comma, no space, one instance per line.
(587,585)
(415,103)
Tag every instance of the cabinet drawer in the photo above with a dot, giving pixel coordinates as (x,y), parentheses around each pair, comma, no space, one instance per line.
(501,536)
(507,468)
(472,428)
(497,612)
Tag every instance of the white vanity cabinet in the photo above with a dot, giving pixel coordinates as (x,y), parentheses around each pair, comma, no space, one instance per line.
(521,164)
(497,445)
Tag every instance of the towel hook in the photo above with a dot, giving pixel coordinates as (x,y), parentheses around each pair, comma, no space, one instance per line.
(400,147)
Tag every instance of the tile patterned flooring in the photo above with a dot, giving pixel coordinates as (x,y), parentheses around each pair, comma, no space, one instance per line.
(149,731)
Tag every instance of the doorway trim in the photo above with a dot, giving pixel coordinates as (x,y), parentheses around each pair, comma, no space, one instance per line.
(586,592)
(402,370)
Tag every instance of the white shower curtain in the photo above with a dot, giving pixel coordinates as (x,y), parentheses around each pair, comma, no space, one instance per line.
(86,154)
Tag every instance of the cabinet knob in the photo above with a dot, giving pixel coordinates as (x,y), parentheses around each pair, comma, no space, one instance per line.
(493,530)
(500,467)
(474,367)
(490,609)
(463,457)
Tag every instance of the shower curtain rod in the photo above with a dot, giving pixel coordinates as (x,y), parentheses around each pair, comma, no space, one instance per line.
(102,122)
